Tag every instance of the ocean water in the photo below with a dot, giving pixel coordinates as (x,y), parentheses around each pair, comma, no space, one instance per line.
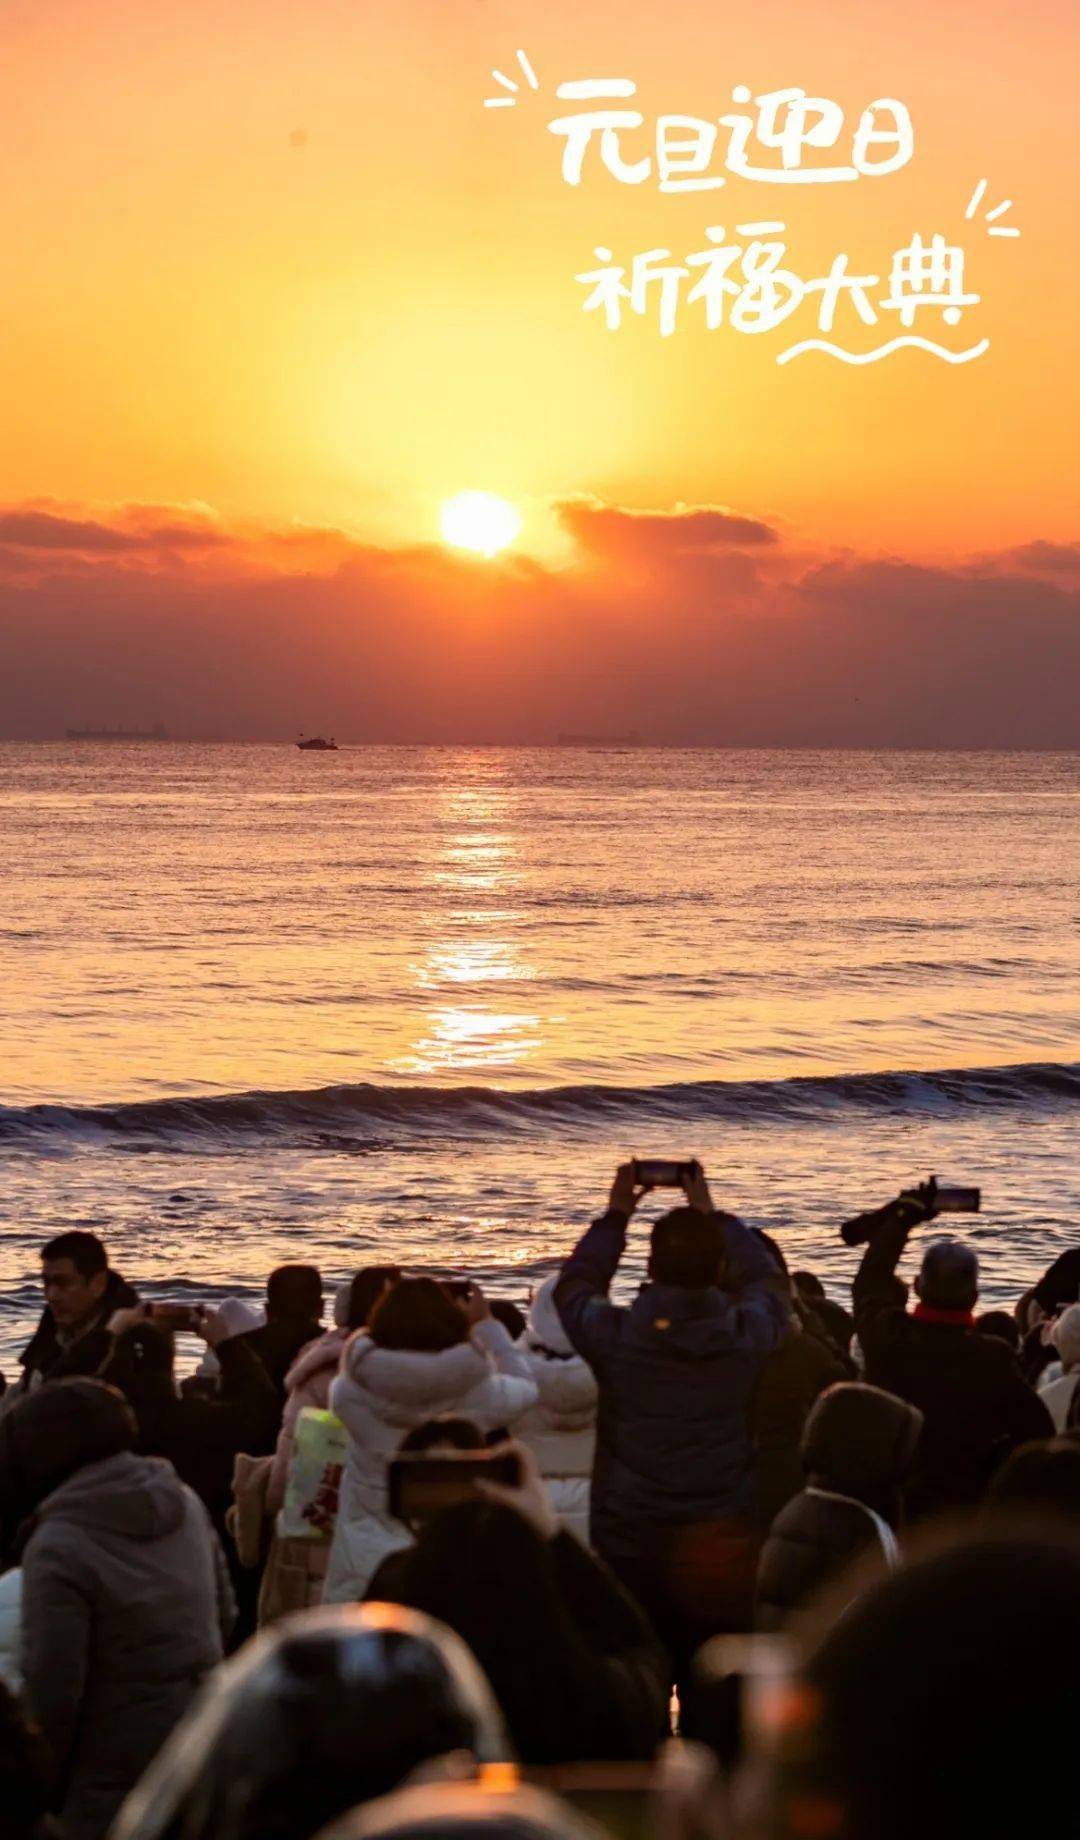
(414,1002)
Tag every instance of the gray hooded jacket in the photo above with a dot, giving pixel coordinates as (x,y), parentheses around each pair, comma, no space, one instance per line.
(126,1602)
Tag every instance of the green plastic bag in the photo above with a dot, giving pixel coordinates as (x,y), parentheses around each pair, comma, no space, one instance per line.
(311,1494)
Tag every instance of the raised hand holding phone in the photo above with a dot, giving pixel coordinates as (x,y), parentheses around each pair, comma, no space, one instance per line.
(530,1498)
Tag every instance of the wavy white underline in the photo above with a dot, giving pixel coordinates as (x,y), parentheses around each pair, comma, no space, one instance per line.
(882,351)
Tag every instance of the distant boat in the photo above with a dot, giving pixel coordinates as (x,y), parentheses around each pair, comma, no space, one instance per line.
(158,733)
(317,744)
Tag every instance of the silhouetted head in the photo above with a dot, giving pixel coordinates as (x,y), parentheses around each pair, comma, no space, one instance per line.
(499,1810)
(367,1287)
(419,1314)
(74,1275)
(1039,1480)
(686,1248)
(294,1293)
(809,1284)
(319,1713)
(859,1440)
(1000,1325)
(446,1433)
(937,1697)
(56,1430)
(948,1276)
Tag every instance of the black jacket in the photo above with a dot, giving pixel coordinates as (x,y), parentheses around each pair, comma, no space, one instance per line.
(47,1358)
(857,1447)
(572,1661)
(277,1344)
(676,1371)
(977,1406)
(202,1437)
(806,1362)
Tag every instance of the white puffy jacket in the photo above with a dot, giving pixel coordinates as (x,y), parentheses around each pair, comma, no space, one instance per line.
(382,1393)
(561,1428)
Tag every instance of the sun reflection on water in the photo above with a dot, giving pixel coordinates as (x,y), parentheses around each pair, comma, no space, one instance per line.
(473,945)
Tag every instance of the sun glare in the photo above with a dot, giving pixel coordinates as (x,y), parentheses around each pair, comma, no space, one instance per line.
(479,521)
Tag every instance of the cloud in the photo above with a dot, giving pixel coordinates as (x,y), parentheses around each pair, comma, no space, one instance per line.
(251,631)
(630,536)
(132,530)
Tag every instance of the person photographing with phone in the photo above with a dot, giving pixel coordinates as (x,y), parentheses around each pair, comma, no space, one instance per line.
(976,1404)
(673,1488)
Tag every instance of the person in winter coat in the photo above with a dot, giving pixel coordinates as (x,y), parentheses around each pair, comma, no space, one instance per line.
(294,1301)
(201,1435)
(1057,1396)
(560,1429)
(976,1404)
(81,1294)
(307,1382)
(856,1450)
(674,1478)
(424,1354)
(795,1374)
(295,1570)
(125,1595)
(573,1663)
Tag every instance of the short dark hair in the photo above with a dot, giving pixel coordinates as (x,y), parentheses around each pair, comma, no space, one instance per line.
(85,1251)
(294,1290)
(365,1290)
(1001,1325)
(808,1283)
(1039,1479)
(509,1315)
(949,1275)
(686,1248)
(459,1433)
(419,1314)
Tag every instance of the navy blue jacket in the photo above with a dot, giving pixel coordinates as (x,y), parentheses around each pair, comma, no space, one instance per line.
(676,1371)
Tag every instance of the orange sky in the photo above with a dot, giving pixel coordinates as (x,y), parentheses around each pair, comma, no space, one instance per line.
(278,261)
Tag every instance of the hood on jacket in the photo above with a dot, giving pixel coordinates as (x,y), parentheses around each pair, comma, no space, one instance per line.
(544,1329)
(316,1357)
(139,1497)
(859,1438)
(393,1380)
(1065,1336)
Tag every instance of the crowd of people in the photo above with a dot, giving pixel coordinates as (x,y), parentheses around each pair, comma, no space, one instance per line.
(442,1543)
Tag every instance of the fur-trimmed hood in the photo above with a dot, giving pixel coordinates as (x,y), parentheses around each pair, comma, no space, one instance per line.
(315,1357)
(399,1385)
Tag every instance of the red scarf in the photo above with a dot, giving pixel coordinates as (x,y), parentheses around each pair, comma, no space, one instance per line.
(956,1319)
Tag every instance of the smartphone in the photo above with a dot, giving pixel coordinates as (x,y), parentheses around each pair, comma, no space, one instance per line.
(654,1172)
(175,1316)
(423,1484)
(955,1200)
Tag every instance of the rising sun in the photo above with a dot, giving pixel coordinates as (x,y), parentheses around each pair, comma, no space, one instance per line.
(479,521)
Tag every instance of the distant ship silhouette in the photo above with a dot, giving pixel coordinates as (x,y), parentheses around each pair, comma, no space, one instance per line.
(317,744)
(158,733)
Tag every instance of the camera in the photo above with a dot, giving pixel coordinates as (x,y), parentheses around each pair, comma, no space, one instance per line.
(181,1318)
(654,1172)
(934,1199)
